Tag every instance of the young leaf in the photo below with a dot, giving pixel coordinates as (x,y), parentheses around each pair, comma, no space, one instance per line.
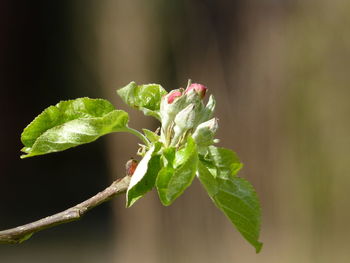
(208,111)
(237,199)
(143,97)
(151,136)
(223,162)
(144,176)
(178,172)
(71,123)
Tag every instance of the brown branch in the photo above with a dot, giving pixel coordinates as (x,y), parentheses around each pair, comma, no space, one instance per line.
(22,233)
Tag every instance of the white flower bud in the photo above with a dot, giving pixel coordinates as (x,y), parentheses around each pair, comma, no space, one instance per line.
(192,97)
(185,120)
(205,132)
(170,105)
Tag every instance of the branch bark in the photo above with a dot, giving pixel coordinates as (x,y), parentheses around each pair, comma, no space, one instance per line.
(22,233)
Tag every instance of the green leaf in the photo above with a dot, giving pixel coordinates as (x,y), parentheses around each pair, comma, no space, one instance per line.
(71,123)
(144,176)
(178,172)
(208,111)
(222,162)
(236,197)
(143,97)
(151,136)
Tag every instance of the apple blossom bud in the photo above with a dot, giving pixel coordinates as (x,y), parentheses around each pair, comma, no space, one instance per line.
(198,88)
(205,132)
(182,111)
(186,118)
(173,95)
(170,105)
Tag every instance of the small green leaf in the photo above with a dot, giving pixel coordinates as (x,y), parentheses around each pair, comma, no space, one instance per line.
(143,97)
(237,199)
(208,111)
(178,172)
(144,176)
(222,162)
(71,123)
(151,136)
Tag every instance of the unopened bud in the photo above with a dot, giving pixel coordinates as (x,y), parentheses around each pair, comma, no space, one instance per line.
(198,88)
(173,95)
(186,118)
(205,132)
(170,105)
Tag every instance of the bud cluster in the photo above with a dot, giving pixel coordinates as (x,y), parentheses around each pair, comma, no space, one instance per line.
(183,113)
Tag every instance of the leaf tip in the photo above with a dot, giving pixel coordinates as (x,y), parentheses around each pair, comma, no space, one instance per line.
(130,201)
(122,89)
(166,202)
(258,247)
(23,156)
(128,204)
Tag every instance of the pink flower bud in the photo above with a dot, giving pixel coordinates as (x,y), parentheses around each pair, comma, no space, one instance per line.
(173,95)
(199,88)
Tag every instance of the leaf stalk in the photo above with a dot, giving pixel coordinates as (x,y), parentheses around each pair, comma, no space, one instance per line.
(138,134)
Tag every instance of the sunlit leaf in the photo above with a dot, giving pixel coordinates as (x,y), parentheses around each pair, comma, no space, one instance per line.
(235,197)
(71,123)
(178,173)
(143,97)
(222,162)
(144,177)
(151,136)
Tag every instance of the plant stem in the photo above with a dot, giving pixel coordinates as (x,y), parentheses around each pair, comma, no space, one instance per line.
(138,134)
(22,233)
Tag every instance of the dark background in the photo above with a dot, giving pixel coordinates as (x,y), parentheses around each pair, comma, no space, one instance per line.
(280,73)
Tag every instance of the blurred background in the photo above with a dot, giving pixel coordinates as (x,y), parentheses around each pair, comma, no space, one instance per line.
(280,73)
